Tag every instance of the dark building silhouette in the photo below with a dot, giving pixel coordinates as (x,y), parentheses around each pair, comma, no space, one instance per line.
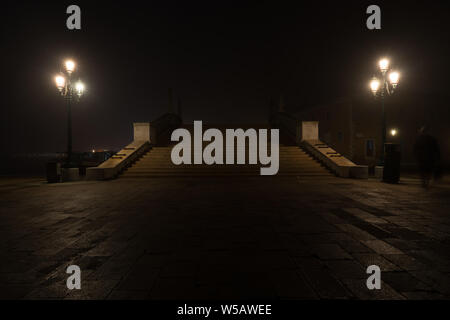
(352,126)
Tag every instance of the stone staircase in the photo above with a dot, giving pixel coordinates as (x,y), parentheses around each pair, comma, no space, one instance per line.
(293,161)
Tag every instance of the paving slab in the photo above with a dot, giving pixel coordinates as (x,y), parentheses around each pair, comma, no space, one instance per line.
(233,237)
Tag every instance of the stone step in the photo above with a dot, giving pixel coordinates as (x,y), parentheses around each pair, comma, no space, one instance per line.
(284,148)
(173,166)
(168,160)
(225,151)
(220,170)
(209,174)
(168,155)
(293,161)
(280,159)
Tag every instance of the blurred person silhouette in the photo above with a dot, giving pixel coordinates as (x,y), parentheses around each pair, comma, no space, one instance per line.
(426,150)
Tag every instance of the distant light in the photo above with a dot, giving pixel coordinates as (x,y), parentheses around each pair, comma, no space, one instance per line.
(70,66)
(383,64)
(393,78)
(79,86)
(374,85)
(93,150)
(60,82)
(393,132)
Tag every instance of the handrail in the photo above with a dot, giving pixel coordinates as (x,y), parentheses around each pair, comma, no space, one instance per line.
(112,167)
(334,161)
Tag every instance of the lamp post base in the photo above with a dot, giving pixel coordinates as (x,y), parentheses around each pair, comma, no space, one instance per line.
(379,172)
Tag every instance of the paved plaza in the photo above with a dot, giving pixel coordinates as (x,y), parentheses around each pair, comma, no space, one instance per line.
(226,237)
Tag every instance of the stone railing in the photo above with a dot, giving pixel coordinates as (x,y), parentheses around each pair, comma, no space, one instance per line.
(146,135)
(337,163)
(112,167)
(306,135)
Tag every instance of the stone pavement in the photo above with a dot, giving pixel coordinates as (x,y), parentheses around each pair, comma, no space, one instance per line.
(262,237)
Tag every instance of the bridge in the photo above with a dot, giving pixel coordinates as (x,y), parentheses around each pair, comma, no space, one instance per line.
(301,153)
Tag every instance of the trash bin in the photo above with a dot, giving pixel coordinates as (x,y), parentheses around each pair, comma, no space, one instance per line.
(53,170)
(392,157)
(82,171)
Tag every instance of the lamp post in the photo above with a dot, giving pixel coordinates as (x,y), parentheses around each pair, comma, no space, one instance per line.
(71,92)
(383,87)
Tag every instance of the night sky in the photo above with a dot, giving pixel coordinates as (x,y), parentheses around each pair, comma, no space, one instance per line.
(224,59)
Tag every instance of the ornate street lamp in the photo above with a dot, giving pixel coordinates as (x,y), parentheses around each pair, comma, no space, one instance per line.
(374,85)
(71,92)
(383,87)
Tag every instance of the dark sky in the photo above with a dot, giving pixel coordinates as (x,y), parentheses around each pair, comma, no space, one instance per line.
(224,59)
